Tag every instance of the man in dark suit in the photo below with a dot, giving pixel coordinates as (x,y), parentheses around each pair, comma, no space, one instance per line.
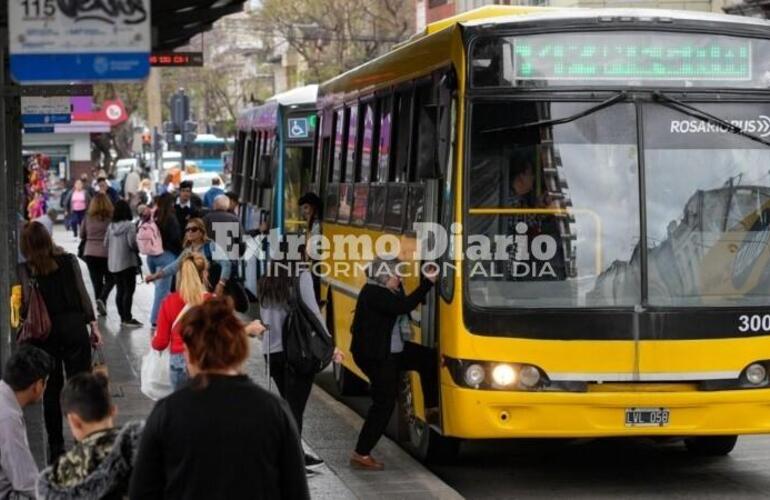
(188,205)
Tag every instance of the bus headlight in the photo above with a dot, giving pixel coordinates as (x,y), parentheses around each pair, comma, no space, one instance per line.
(756,373)
(503,375)
(529,376)
(474,375)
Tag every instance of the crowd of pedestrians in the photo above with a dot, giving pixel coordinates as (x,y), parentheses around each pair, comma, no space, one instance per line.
(194,320)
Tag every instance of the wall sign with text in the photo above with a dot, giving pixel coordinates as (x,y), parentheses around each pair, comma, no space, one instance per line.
(66,41)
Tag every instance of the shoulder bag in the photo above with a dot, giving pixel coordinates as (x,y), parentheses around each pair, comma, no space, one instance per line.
(37,323)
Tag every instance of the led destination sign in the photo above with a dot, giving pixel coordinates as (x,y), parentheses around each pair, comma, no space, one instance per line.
(632,56)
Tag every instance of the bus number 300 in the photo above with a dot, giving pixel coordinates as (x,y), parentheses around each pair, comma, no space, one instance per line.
(754,323)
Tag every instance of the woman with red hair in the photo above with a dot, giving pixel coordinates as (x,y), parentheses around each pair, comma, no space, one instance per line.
(220,423)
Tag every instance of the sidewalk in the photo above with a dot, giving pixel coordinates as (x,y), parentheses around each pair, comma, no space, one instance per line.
(330,428)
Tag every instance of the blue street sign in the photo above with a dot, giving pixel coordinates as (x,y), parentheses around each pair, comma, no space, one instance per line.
(79,67)
(38,130)
(45,119)
(67,42)
(298,128)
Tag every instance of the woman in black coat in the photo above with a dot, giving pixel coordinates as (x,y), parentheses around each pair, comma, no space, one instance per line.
(381,348)
(60,283)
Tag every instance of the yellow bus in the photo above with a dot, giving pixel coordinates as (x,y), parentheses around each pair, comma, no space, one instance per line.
(604,179)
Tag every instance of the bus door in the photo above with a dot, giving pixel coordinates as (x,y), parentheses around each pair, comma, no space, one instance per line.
(297,168)
(428,192)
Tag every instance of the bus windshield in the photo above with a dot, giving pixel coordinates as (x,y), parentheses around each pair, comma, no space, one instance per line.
(551,208)
(561,207)
(708,207)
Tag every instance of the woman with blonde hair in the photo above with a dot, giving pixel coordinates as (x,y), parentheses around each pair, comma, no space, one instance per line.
(92,234)
(191,291)
(196,240)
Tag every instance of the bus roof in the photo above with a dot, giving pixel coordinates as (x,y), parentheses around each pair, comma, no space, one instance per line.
(432,49)
(486,12)
(626,14)
(265,116)
(298,95)
(427,50)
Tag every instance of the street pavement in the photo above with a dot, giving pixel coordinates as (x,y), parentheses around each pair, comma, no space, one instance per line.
(330,428)
(595,469)
(608,468)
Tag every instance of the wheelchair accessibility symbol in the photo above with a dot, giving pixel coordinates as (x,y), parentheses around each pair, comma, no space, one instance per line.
(298,128)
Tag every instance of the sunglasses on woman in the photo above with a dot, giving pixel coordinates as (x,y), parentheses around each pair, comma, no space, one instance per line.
(192,229)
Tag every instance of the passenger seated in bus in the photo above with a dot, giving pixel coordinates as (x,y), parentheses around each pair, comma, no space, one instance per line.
(537,253)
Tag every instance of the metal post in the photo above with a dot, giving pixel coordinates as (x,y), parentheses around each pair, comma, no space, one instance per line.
(10,164)
(5,327)
(183,147)
(158,149)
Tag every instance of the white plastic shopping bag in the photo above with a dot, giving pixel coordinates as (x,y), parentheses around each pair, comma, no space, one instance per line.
(155,376)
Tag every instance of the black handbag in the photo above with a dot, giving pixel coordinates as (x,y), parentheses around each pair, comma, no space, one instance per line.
(82,249)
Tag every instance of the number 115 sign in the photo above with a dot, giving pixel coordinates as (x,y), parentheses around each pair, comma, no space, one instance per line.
(71,41)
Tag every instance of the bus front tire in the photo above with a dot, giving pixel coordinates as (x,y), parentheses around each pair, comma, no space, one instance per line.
(711,446)
(425,443)
(433,448)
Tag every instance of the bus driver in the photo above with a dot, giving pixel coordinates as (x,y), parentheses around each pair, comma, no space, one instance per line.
(537,253)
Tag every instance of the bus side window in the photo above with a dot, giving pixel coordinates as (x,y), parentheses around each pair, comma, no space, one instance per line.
(331,203)
(236,172)
(403,132)
(385,171)
(258,152)
(369,142)
(340,139)
(423,150)
(353,142)
(245,169)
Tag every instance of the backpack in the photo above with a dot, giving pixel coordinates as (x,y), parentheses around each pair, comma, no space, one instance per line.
(148,238)
(307,346)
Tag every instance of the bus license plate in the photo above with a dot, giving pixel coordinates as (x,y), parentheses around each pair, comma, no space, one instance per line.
(647,417)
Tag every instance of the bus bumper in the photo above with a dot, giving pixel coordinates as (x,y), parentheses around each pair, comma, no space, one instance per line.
(479,414)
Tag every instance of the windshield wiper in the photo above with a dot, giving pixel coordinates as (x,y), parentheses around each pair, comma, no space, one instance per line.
(684,108)
(620,96)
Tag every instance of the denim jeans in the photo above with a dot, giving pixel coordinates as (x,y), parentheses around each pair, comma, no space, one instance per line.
(178,370)
(163,285)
